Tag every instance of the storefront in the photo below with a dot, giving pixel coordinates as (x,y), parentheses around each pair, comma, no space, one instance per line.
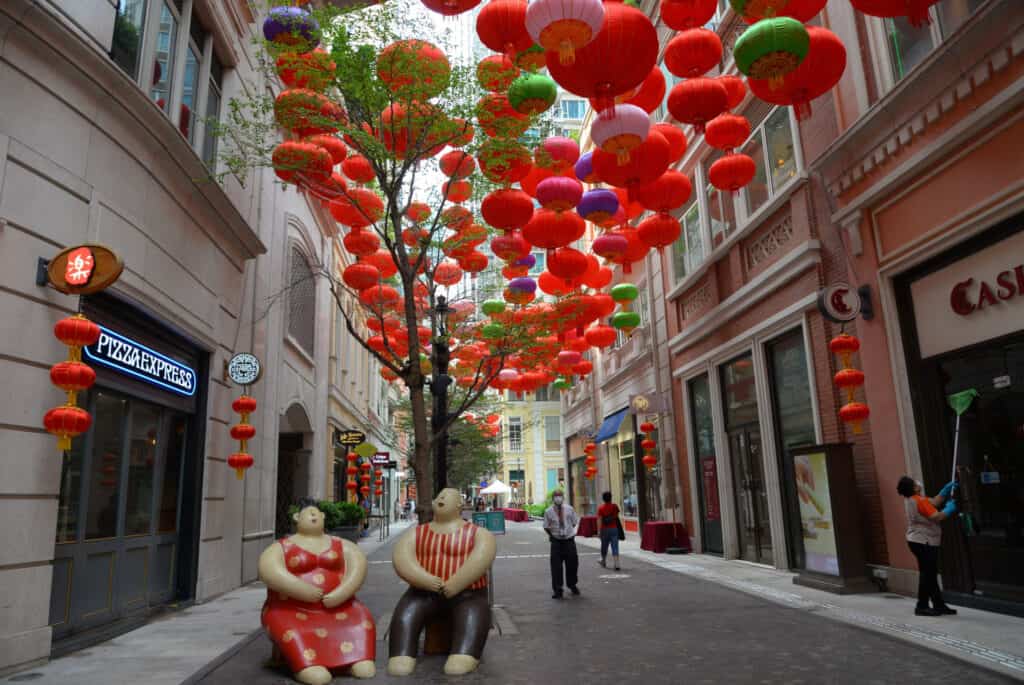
(582,491)
(128,515)
(962,317)
(746,408)
(628,485)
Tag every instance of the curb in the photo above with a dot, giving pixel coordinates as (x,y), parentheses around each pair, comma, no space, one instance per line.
(217,662)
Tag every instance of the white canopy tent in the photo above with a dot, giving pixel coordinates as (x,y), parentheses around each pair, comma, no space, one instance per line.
(496,488)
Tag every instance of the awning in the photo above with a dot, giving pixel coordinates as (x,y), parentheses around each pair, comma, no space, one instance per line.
(610,426)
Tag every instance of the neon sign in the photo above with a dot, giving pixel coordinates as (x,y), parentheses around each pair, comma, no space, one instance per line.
(129,357)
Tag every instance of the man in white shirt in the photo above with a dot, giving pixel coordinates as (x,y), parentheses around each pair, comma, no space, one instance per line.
(561,522)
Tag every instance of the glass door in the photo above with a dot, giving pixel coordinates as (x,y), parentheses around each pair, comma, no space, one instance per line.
(703,445)
(744,439)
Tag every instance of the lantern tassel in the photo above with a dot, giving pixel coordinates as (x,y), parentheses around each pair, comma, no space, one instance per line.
(802,110)
(64,442)
(622,156)
(566,53)
(239,474)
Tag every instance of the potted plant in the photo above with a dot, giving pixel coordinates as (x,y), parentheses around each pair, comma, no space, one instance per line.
(341,519)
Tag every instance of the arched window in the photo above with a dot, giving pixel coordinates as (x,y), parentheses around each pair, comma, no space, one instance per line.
(301,301)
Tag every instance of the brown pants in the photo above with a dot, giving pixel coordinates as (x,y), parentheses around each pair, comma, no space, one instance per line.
(470,616)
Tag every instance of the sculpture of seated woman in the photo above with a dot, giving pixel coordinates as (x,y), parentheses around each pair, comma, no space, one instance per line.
(311,612)
(445,563)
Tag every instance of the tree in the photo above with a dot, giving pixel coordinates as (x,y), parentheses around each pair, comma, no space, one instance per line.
(397,103)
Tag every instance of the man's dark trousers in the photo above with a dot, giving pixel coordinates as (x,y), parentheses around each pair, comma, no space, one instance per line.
(563,552)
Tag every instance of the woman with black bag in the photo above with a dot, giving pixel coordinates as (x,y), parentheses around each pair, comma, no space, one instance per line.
(610,530)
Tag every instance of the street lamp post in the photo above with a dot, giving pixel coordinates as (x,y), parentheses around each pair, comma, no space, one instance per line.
(439,389)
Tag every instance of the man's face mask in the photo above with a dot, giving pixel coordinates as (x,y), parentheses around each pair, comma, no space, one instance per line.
(558,499)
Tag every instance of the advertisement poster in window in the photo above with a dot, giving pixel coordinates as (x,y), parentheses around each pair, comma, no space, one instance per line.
(819,534)
(709,474)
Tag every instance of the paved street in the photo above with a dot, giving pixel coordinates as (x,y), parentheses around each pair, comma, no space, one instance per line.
(646,624)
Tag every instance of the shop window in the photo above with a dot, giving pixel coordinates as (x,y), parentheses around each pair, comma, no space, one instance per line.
(142,449)
(721,211)
(109,417)
(552,433)
(688,250)
(706,462)
(126,46)
(301,302)
(163,67)
(630,502)
(174,452)
(772,148)
(70,490)
(909,45)
(515,434)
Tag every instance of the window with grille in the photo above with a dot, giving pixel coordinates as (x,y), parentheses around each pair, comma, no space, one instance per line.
(515,434)
(301,302)
(552,433)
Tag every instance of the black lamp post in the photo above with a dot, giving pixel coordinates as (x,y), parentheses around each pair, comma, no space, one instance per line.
(439,389)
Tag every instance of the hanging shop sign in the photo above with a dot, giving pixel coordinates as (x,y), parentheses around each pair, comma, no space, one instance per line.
(644,404)
(841,302)
(132,358)
(380,458)
(350,438)
(244,369)
(84,269)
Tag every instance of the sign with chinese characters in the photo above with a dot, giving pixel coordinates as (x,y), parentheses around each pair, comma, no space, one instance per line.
(350,438)
(84,269)
(132,358)
(244,369)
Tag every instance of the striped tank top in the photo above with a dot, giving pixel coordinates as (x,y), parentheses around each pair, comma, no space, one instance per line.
(444,554)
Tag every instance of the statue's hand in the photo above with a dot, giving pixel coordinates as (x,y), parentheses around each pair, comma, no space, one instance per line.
(335,598)
(449,590)
(308,593)
(437,585)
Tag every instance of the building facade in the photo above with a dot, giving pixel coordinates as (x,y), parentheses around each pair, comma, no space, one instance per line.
(103,138)
(532,462)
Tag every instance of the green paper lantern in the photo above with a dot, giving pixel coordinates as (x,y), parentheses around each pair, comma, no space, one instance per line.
(624,292)
(562,384)
(365,449)
(492,331)
(626,321)
(492,307)
(772,48)
(532,93)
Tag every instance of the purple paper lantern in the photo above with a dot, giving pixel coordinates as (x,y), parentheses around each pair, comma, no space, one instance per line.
(585,169)
(598,205)
(292,26)
(523,284)
(529,261)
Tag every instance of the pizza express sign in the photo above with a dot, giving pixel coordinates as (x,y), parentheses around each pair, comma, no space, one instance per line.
(132,358)
(971,295)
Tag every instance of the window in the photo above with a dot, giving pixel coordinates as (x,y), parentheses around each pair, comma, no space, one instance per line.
(541,256)
(688,250)
(130,43)
(126,46)
(552,433)
(546,394)
(707,468)
(301,302)
(909,45)
(515,434)
(721,210)
(772,149)
(573,109)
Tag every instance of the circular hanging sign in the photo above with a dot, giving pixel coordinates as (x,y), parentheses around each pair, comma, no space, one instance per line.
(244,368)
(365,450)
(84,269)
(839,302)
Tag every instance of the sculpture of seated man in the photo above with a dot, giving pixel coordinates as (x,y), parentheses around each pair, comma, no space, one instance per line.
(445,563)
(311,612)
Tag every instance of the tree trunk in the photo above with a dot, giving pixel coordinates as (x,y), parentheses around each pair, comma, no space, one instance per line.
(422,461)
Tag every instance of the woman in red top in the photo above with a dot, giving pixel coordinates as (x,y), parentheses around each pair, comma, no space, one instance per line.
(608,524)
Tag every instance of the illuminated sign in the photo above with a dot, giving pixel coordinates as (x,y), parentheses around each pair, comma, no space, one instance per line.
(129,357)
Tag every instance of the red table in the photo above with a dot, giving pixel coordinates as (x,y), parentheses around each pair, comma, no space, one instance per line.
(516,514)
(657,536)
(587,527)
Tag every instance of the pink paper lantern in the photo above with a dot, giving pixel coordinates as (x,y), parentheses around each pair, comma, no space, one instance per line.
(559,193)
(564,25)
(620,129)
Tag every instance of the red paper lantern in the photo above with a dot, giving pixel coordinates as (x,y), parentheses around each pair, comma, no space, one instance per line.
(72,376)
(361,207)
(313,70)
(552,285)
(680,15)
(635,251)
(599,70)
(590,460)
(352,470)
(693,52)
(501,26)
(414,68)
(649,460)
(365,489)
(697,101)
(243,431)
(76,331)
(735,88)
(332,144)
(648,444)
(495,73)
(378,492)
(293,158)
(727,131)
(510,246)
(457,191)
(552,230)
(647,427)
(360,243)
(659,230)
(497,117)
(567,264)
(646,163)
(676,140)
(503,161)
(474,262)
(849,380)
(244,405)
(447,273)
(361,275)
(358,168)
(240,461)
(507,208)
(817,74)
(305,112)
(669,191)
(418,212)
(66,422)
(650,94)
(855,413)
(732,172)
(590,447)
(352,486)
(457,164)
(916,11)
(600,335)
(844,345)
(384,262)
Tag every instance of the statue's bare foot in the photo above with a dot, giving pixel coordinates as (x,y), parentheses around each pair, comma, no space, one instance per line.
(314,675)
(364,669)
(460,664)
(401,665)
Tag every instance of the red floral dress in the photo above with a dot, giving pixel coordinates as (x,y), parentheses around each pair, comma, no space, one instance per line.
(309,634)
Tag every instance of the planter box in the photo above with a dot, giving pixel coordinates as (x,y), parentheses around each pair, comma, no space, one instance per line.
(350,533)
